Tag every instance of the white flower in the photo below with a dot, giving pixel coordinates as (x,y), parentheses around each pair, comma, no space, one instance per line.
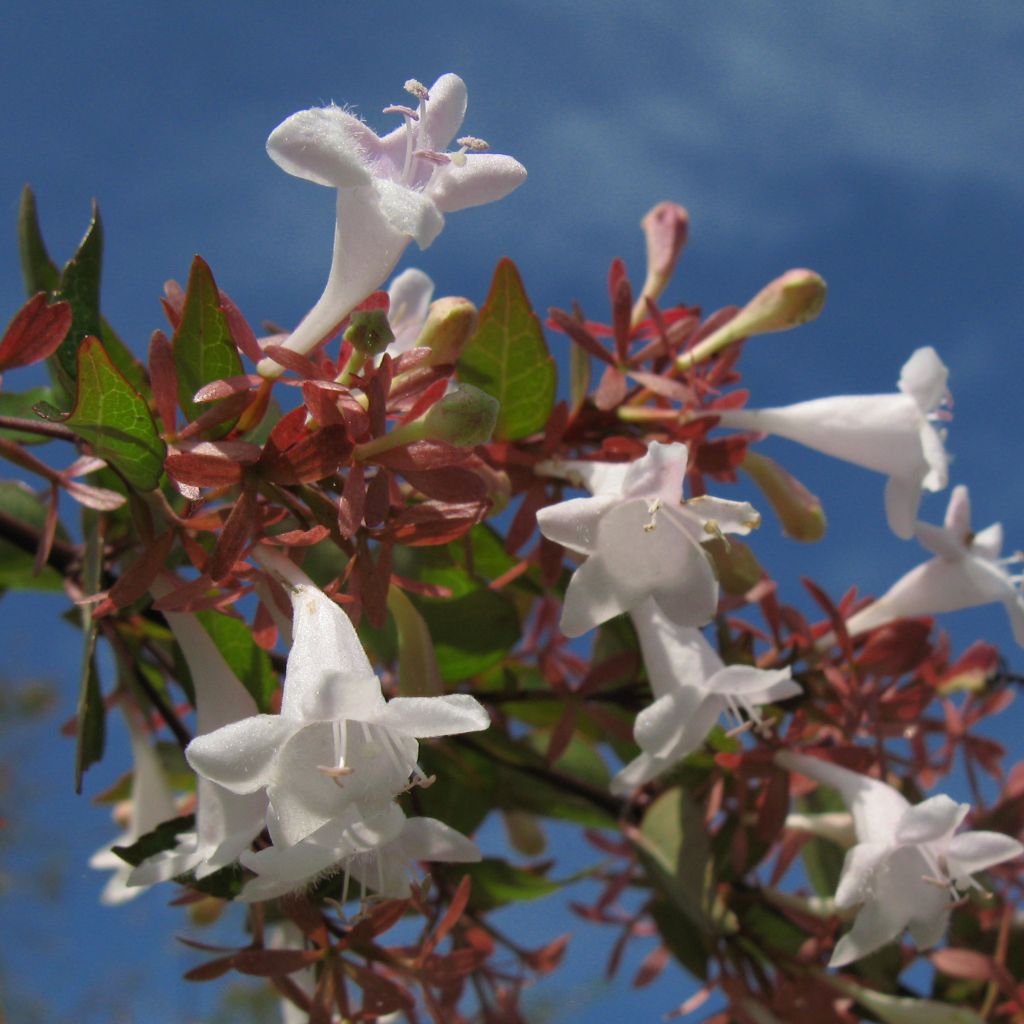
(641,540)
(151,804)
(965,572)
(908,861)
(692,689)
(891,434)
(226,823)
(337,748)
(390,190)
(378,851)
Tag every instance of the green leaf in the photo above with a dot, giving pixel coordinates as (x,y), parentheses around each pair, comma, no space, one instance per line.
(163,837)
(244,657)
(90,733)
(120,355)
(80,286)
(115,419)
(202,344)
(38,271)
(823,859)
(686,943)
(497,883)
(21,406)
(466,781)
(508,357)
(19,502)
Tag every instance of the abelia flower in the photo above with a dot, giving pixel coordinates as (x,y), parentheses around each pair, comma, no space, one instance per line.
(337,747)
(390,190)
(409,302)
(891,434)
(378,851)
(640,539)
(909,863)
(226,822)
(692,689)
(965,572)
(151,804)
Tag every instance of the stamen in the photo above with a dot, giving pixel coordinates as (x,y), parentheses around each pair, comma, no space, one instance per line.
(652,511)
(417,89)
(473,143)
(398,108)
(434,157)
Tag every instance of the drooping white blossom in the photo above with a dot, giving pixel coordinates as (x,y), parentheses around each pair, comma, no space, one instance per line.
(640,538)
(409,302)
(966,571)
(892,434)
(226,822)
(337,748)
(391,190)
(692,689)
(151,804)
(909,862)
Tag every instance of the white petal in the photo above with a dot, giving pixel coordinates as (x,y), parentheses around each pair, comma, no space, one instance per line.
(409,296)
(483,178)
(933,446)
(988,543)
(673,655)
(446,110)
(590,599)
(574,523)
(719,515)
(971,852)
(924,377)
(434,716)
(931,820)
(324,145)
(638,772)
(658,474)
(328,674)
(430,839)
(294,865)
(408,212)
(240,756)
(226,823)
(754,683)
(902,501)
(663,728)
(941,541)
(958,512)
(859,866)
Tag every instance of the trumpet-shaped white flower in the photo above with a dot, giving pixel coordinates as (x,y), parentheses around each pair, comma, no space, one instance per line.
(908,862)
(692,689)
(338,747)
(641,540)
(965,572)
(409,302)
(151,804)
(379,851)
(891,434)
(226,822)
(390,190)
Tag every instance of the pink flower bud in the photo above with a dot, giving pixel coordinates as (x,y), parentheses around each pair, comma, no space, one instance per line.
(666,228)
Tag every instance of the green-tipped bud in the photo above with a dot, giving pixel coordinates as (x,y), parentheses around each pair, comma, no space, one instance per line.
(369,332)
(737,567)
(666,228)
(524,833)
(795,298)
(465,416)
(449,325)
(799,511)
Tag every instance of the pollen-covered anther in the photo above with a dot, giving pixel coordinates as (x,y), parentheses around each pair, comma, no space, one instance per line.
(434,157)
(652,511)
(473,143)
(398,108)
(417,89)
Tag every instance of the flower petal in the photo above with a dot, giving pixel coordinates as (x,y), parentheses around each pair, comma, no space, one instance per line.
(663,729)
(902,501)
(971,852)
(931,820)
(958,512)
(430,839)
(409,296)
(859,868)
(408,212)
(574,523)
(240,756)
(658,474)
(446,110)
(754,683)
(673,655)
(590,599)
(323,145)
(483,178)
(924,377)
(722,515)
(434,716)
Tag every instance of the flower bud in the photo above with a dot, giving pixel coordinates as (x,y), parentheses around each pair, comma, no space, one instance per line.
(666,228)
(799,511)
(795,298)
(465,416)
(736,565)
(369,332)
(449,325)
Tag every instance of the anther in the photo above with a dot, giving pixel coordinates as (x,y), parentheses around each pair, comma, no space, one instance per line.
(398,108)
(417,89)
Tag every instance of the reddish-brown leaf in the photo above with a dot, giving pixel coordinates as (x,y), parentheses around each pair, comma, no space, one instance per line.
(235,536)
(423,455)
(136,579)
(35,332)
(164,380)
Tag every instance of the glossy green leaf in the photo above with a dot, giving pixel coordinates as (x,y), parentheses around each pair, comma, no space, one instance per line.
(497,883)
(90,713)
(686,943)
(163,837)
(244,657)
(202,344)
(115,419)
(19,503)
(508,357)
(38,271)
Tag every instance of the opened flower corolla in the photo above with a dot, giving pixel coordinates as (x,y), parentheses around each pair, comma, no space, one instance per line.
(390,190)
(226,822)
(692,689)
(337,744)
(909,864)
(891,434)
(640,539)
(965,572)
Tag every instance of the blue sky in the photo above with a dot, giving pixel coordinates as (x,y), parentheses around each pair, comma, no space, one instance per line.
(878,143)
